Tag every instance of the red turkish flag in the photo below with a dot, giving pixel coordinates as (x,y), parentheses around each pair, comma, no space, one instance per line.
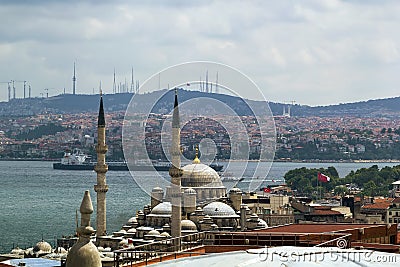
(323,178)
(267,190)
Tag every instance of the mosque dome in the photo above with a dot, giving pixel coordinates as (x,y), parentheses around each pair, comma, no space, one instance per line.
(132,220)
(153,232)
(165,234)
(188,225)
(164,208)
(131,231)
(262,224)
(198,174)
(235,190)
(42,247)
(190,191)
(219,209)
(84,254)
(157,189)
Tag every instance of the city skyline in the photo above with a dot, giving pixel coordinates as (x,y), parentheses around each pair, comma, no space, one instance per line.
(313,52)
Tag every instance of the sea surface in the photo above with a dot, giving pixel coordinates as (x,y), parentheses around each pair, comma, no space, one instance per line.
(37,202)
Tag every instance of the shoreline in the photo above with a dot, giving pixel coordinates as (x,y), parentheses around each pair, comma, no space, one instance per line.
(277,160)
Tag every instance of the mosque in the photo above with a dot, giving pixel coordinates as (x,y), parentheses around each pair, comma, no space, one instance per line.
(195,201)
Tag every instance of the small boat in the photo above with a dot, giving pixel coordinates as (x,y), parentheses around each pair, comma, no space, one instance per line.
(79,161)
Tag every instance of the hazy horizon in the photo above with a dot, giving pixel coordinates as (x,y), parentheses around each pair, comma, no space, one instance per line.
(313,52)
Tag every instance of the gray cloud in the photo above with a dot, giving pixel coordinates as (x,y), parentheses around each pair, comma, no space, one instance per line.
(315,52)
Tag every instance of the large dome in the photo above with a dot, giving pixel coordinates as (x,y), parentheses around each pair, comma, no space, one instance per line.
(200,175)
(219,209)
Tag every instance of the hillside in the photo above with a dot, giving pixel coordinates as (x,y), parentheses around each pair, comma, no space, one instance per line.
(68,103)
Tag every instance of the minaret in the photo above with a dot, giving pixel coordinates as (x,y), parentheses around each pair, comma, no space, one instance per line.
(101,168)
(74,82)
(84,253)
(176,172)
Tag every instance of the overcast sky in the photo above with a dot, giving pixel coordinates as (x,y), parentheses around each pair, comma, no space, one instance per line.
(314,52)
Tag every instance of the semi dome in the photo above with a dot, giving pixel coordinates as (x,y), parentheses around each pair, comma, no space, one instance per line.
(164,208)
(219,209)
(188,225)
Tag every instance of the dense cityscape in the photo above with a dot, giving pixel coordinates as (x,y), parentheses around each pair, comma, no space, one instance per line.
(48,136)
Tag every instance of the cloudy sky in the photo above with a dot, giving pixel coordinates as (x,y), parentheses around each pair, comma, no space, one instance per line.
(314,52)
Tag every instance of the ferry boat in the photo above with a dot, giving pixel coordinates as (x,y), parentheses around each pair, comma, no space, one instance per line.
(80,161)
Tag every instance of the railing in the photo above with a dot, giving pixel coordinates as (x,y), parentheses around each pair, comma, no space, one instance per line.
(183,246)
(159,250)
(262,239)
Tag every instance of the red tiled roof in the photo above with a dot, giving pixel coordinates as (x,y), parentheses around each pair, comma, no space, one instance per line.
(396,200)
(377,206)
(325,212)
(383,200)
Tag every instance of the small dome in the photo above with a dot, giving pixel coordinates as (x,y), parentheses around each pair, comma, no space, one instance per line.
(235,190)
(219,209)
(119,233)
(190,191)
(17,251)
(131,231)
(132,220)
(42,247)
(188,225)
(262,224)
(165,234)
(157,189)
(153,232)
(164,208)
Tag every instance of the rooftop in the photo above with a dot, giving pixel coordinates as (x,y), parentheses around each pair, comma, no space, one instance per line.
(317,228)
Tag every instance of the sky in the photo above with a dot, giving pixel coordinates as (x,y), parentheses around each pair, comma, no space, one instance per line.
(314,52)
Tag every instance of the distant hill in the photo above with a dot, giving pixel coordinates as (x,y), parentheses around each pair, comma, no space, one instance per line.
(68,103)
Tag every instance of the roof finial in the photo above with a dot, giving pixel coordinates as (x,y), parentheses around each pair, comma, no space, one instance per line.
(196,158)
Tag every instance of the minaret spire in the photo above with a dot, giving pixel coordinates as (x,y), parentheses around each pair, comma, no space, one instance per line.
(101,168)
(175,172)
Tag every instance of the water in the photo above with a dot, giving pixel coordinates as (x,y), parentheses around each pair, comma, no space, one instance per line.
(37,201)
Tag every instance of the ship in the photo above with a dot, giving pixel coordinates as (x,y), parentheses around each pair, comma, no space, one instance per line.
(79,161)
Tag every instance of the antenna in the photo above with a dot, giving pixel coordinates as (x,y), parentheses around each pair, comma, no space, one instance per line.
(13,89)
(114,85)
(132,83)
(24,89)
(9,91)
(74,82)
